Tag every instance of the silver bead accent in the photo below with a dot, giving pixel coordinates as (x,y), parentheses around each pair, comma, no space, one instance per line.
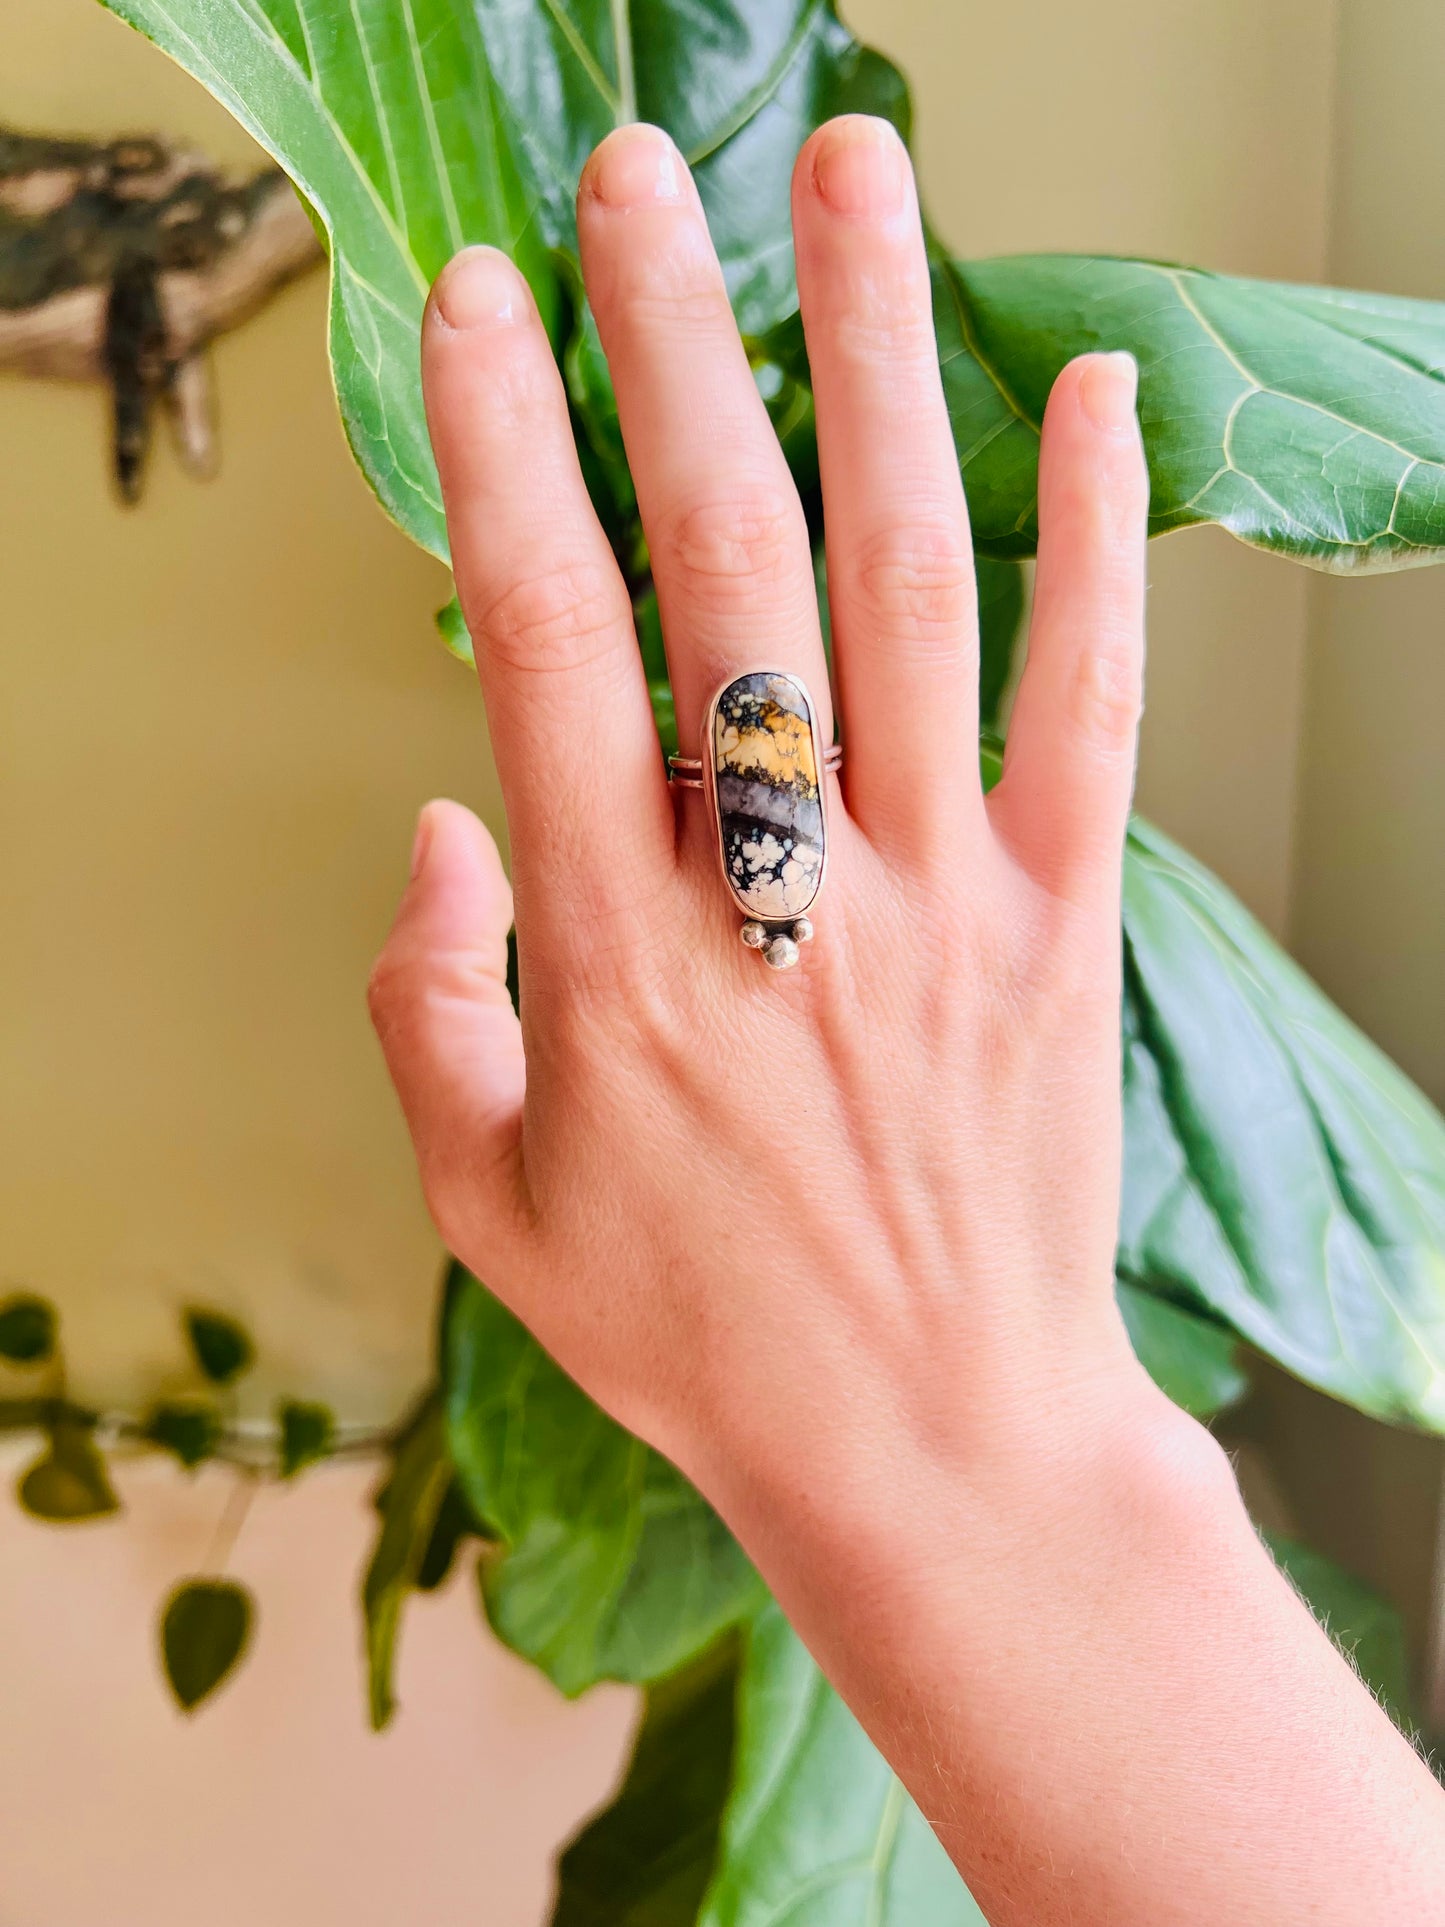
(781,952)
(803,930)
(754,935)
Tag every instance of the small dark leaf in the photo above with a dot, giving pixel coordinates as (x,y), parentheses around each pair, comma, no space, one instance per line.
(189,1430)
(306,1435)
(646,1860)
(204,1631)
(69,1482)
(223,1349)
(410,1502)
(455,1523)
(1366,1628)
(27,1330)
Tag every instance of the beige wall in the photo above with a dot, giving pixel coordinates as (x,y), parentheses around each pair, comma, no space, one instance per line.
(217,715)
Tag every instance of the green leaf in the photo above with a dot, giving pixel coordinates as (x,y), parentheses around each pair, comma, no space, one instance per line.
(204,1632)
(1000,621)
(27,1329)
(306,1434)
(1365,1627)
(646,1860)
(739,84)
(1306,420)
(610,1566)
(388,121)
(455,1523)
(452,628)
(188,1428)
(409,1502)
(411,131)
(222,1348)
(1192,1359)
(818,1829)
(1280,1174)
(69,1482)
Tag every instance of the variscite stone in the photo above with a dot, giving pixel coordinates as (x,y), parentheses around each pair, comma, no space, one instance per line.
(767,761)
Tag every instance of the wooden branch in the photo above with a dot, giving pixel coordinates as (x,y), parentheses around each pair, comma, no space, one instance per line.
(121,262)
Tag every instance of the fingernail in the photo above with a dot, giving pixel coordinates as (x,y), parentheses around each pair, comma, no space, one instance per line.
(479,288)
(1107,388)
(860,167)
(635,166)
(421,843)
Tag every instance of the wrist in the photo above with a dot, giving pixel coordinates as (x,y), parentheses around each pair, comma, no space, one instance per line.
(878,1491)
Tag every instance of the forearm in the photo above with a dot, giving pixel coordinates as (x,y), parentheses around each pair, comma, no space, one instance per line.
(1081,1660)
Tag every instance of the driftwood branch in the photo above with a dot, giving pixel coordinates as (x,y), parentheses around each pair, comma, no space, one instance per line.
(121,263)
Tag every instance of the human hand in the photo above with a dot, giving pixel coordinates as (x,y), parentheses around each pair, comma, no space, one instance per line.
(744,1209)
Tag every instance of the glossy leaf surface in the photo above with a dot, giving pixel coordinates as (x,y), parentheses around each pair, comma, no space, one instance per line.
(1195,1361)
(647,1858)
(1280,1173)
(818,1830)
(610,1565)
(1306,420)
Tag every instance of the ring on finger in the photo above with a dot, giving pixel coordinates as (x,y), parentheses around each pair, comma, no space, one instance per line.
(763,768)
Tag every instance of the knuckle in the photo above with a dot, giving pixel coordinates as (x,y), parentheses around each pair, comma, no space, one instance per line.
(678,289)
(1106,694)
(882,322)
(914,581)
(562,618)
(734,543)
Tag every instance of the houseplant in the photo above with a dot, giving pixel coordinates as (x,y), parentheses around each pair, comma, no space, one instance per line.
(603,1563)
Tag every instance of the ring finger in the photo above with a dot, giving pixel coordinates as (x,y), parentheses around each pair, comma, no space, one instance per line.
(728,541)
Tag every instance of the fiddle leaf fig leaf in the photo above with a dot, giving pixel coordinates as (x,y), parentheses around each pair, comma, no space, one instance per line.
(1194,1360)
(69,1482)
(1366,1628)
(1001,601)
(452,628)
(818,1829)
(27,1329)
(222,1348)
(409,1502)
(1280,1174)
(646,1860)
(204,1633)
(1310,421)
(739,85)
(389,121)
(610,1565)
(307,1431)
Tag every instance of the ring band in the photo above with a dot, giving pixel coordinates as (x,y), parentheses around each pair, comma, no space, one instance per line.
(763,765)
(685,772)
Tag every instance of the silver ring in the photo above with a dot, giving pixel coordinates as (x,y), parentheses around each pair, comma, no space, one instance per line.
(762,765)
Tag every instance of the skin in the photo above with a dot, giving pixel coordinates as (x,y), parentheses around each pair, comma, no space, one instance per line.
(874,1321)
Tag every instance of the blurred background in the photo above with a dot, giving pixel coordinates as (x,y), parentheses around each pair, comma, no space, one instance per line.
(219,713)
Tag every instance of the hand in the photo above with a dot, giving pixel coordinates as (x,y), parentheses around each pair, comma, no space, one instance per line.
(731,1202)
(840,1242)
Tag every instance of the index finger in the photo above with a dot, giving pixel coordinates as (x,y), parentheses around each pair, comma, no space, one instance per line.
(551,624)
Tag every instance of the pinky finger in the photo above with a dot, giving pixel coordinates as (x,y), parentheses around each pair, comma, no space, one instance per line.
(1063,803)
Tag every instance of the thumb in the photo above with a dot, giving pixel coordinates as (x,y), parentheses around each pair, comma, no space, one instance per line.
(439,1001)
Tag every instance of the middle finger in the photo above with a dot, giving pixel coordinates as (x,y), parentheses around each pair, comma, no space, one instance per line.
(724,525)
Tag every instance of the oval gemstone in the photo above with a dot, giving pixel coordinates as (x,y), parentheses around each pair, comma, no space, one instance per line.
(767,763)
